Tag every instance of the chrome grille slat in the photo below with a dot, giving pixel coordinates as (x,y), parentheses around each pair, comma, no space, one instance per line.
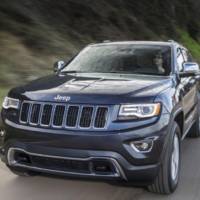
(64,116)
(79,116)
(94,116)
(40,116)
(29,113)
(52,115)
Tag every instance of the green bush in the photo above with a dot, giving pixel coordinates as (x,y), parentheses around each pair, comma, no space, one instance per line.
(3,92)
(190,43)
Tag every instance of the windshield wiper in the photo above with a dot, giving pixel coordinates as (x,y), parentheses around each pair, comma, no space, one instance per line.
(118,72)
(111,72)
(146,73)
(74,71)
(69,72)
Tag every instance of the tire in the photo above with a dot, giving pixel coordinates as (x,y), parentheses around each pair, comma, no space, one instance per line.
(22,172)
(168,177)
(194,132)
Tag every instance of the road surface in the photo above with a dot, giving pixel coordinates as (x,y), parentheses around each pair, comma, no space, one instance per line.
(54,188)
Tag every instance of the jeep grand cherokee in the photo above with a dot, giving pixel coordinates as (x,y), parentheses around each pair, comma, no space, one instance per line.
(115,111)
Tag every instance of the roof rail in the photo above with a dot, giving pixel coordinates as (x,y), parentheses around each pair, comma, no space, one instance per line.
(171,41)
(106,41)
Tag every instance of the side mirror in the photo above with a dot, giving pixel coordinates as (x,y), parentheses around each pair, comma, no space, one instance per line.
(190,69)
(58,66)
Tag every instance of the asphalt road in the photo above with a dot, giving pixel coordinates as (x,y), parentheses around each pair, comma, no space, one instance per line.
(54,188)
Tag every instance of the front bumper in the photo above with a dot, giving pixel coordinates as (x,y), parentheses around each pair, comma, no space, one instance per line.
(113,148)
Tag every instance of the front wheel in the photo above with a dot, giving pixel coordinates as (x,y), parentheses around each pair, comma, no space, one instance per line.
(168,176)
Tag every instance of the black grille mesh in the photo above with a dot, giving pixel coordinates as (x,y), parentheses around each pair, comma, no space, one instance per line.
(24,112)
(72,116)
(86,117)
(101,116)
(35,113)
(46,115)
(61,164)
(58,115)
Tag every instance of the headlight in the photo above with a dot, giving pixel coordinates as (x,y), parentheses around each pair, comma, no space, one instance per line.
(10,103)
(134,111)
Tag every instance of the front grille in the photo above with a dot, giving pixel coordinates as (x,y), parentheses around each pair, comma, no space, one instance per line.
(64,115)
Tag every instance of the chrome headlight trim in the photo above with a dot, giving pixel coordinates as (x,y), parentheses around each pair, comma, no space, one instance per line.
(139,110)
(10,103)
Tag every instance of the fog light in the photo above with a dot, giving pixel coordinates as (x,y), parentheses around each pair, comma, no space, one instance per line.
(143,146)
(2,133)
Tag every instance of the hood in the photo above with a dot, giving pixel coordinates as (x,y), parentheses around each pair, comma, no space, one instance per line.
(93,89)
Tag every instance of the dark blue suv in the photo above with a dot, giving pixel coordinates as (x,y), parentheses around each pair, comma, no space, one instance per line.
(115,111)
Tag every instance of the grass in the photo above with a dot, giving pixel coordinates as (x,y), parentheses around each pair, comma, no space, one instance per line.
(3,93)
(190,43)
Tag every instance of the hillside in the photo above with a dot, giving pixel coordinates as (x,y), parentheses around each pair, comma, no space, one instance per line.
(35,33)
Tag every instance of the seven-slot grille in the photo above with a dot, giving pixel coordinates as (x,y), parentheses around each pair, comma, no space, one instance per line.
(63,115)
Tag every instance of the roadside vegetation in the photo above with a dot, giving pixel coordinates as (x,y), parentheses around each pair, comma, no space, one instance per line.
(3,92)
(191,44)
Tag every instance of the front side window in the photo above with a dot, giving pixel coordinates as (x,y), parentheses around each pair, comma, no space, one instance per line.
(123,59)
(180,60)
(187,56)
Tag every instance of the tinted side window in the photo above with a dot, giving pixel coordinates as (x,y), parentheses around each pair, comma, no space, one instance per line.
(187,56)
(180,59)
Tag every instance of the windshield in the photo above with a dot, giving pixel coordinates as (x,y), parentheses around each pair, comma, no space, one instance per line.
(123,59)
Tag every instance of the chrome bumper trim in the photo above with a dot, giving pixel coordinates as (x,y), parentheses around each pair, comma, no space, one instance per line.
(12,162)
